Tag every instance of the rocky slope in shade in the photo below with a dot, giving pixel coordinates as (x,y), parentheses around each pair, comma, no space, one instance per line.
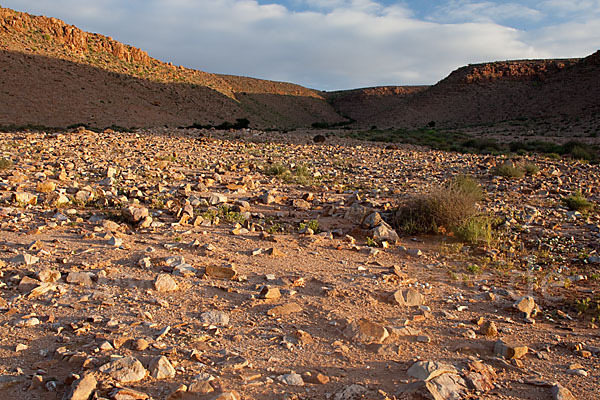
(563,91)
(41,42)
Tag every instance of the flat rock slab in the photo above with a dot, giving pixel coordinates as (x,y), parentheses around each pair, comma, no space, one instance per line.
(283,310)
(427,370)
(214,318)
(81,389)
(366,332)
(125,370)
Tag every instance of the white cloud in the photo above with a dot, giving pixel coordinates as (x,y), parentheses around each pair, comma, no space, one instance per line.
(341,44)
(483,11)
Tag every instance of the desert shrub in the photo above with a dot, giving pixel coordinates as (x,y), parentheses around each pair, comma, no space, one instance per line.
(477,229)
(5,163)
(577,202)
(313,225)
(531,169)
(445,207)
(468,185)
(509,170)
(277,169)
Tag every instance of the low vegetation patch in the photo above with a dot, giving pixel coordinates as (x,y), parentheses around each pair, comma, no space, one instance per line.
(509,170)
(577,202)
(240,123)
(464,143)
(450,208)
(5,163)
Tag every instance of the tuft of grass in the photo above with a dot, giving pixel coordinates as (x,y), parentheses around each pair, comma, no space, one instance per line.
(5,163)
(444,208)
(577,202)
(313,225)
(531,169)
(509,170)
(475,230)
(468,185)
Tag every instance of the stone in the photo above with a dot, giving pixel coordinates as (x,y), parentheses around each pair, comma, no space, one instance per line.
(223,272)
(27,284)
(480,376)
(49,275)
(319,139)
(526,305)
(161,368)
(407,298)
(127,394)
(509,351)
(24,259)
(214,318)
(427,370)
(284,309)
(125,370)
(372,220)
(384,232)
(217,198)
(165,283)
(81,389)
(350,392)
(366,332)
(134,214)
(447,387)
(46,187)
(226,396)
(25,198)
(488,328)
(300,204)
(80,278)
(357,213)
(315,378)
(292,379)
(560,392)
(269,293)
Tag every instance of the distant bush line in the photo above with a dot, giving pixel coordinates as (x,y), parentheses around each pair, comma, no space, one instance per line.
(53,129)
(463,143)
(328,125)
(240,123)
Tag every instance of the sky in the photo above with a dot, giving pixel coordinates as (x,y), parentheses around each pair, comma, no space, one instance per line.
(337,44)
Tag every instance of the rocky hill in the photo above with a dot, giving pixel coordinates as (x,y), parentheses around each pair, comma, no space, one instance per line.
(565,92)
(72,76)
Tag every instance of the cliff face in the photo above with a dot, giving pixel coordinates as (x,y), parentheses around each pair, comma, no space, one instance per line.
(526,70)
(41,40)
(69,36)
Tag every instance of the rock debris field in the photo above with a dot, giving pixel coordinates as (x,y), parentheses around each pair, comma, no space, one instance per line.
(250,265)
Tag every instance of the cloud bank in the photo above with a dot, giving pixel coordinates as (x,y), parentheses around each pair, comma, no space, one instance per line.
(336,44)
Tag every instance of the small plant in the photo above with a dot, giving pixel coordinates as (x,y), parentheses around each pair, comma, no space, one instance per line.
(230,216)
(531,169)
(509,170)
(371,242)
(277,169)
(474,269)
(577,202)
(5,163)
(313,225)
(477,229)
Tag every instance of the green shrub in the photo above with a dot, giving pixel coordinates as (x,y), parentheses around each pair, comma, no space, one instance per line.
(445,207)
(313,225)
(468,185)
(577,202)
(531,169)
(509,170)
(277,169)
(475,230)
(5,163)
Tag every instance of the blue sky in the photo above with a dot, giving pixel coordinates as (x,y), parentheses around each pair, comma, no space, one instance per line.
(337,44)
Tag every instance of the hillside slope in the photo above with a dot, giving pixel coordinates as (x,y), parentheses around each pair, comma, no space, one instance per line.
(56,74)
(565,91)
